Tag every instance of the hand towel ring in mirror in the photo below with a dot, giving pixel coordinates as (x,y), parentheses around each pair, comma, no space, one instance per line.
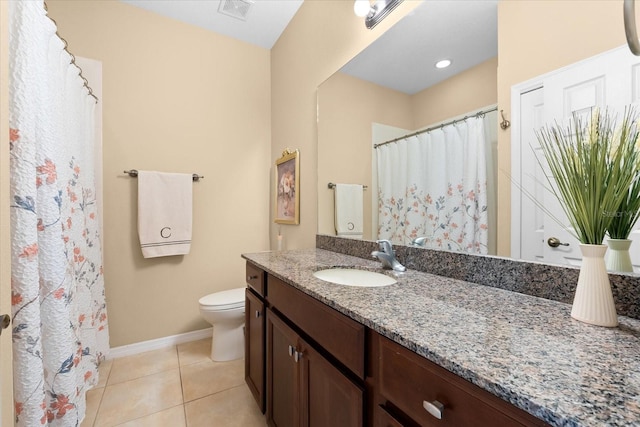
(288,188)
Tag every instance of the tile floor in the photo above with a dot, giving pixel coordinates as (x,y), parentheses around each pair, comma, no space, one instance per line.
(174,387)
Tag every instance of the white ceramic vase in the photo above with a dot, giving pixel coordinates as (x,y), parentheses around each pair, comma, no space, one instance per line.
(593,301)
(618,258)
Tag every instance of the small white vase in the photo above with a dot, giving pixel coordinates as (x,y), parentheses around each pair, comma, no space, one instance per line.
(618,258)
(593,301)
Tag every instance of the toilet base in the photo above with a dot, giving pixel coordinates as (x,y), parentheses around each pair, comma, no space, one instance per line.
(227,342)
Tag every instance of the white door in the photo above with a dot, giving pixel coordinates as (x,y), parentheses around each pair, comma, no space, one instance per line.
(609,81)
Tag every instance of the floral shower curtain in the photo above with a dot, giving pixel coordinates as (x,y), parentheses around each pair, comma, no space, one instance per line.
(59,314)
(434,185)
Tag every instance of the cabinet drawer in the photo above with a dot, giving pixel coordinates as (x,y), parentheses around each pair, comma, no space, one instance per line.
(255,279)
(410,381)
(339,335)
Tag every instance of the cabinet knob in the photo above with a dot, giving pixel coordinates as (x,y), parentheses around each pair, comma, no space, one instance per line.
(297,356)
(257,313)
(250,278)
(291,350)
(435,408)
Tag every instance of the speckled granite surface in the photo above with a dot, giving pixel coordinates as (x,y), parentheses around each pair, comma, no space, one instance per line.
(524,349)
(553,282)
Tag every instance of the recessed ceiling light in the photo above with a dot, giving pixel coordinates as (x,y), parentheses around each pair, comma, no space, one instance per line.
(443,63)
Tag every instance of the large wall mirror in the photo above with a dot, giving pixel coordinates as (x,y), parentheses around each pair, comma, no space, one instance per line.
(392,89)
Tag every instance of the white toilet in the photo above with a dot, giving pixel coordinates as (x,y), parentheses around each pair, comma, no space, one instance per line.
(225,311)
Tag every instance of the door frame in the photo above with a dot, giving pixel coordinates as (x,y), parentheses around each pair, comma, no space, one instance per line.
(517,91)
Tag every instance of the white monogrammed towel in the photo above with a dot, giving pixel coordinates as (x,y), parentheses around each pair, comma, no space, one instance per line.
(164,213)
(349,210)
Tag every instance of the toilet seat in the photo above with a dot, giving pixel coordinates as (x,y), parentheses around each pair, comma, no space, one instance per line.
(225,300)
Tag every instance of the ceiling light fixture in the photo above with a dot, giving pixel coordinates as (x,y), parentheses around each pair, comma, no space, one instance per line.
(444,63)
(362,8)
(376,13)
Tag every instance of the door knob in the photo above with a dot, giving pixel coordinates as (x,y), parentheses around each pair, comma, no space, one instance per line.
(554,242)
(5,321)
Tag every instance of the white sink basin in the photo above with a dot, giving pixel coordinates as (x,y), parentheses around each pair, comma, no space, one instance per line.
(354,277)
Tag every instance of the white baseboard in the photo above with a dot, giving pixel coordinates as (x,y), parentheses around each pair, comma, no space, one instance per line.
(156,344)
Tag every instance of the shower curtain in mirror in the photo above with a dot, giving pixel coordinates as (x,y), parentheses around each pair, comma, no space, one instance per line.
(59,315)
(434,185)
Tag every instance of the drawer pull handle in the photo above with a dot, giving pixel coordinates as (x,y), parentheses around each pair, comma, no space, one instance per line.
(435,408)
(257,314)
(291,350)
(250,278)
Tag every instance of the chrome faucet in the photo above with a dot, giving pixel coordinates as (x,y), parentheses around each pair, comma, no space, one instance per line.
(419,241)
(387,256)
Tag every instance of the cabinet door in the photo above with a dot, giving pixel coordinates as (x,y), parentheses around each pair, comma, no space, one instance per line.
(254,346)
(328,398)
(283,382)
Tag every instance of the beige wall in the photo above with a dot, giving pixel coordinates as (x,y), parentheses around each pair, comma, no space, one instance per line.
(470,90)
(223,109)
(177,98)
(6,384)
(320,39)
(536,37)
(347,108)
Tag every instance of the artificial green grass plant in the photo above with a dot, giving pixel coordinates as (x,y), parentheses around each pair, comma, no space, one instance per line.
(593,169)
(627,214)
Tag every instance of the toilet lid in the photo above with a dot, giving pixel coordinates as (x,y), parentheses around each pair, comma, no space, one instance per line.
(231,298)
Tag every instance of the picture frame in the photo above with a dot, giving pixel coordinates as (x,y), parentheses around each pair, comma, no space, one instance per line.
(287,194)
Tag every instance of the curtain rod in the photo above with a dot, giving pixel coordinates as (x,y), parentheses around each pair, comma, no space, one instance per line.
(73,57)
(440,126)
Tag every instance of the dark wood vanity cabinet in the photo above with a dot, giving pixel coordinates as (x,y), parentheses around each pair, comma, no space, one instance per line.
(254,342)
(307,367)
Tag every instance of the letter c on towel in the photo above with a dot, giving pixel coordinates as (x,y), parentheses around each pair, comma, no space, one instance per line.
(165,232)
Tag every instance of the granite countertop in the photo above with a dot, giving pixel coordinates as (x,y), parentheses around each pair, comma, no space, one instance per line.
(525,350)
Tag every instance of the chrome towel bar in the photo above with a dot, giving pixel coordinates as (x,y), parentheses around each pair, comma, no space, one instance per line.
(332,185)
(133,173)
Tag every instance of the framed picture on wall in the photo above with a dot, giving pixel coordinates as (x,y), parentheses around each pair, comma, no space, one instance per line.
(288,188)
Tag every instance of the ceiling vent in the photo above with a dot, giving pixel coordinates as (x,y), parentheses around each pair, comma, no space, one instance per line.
(238,9)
